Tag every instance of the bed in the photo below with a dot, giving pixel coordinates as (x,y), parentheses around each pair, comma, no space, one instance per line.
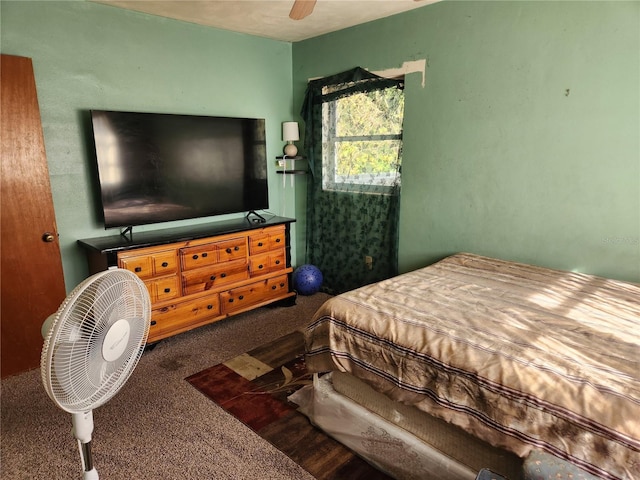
(539,366)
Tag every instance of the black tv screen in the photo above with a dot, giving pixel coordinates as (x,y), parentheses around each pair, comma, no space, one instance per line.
(156,167)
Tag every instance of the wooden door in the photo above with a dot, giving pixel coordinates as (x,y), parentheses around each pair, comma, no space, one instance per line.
(31,279)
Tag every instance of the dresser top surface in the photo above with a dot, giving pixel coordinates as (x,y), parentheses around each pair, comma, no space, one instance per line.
(114,243)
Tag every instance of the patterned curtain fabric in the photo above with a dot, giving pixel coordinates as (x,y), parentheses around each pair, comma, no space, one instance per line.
(358,216)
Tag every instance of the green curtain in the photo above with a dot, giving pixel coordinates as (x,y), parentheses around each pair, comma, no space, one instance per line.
(344,227)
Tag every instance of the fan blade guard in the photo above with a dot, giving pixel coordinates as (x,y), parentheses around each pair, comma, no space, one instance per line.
(108,312)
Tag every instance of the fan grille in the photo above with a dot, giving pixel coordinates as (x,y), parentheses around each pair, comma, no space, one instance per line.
(74,370)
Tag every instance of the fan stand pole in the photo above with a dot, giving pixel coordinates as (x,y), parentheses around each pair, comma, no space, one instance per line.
(82,430)
(90,473)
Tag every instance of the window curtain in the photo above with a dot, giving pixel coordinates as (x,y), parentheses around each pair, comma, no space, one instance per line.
(346,227)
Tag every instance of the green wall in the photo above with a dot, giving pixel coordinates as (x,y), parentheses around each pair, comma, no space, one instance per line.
(87,55)
(524,143)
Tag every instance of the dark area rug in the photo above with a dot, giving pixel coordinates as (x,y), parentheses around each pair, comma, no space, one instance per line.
(254,386)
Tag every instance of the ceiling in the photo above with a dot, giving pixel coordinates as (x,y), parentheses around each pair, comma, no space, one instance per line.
(270,18)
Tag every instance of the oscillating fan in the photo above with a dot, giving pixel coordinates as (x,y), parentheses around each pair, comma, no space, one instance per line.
(91,346)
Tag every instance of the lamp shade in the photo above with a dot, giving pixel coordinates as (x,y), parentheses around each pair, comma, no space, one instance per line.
(290,131)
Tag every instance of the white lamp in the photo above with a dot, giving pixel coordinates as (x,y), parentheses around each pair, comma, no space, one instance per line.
(290,134)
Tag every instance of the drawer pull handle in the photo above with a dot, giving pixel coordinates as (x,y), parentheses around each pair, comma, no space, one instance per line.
(138,269)
(209,307)
(212,278)
(241,297)
(236,248)
(282,284)
(195,257)
(153,322)
(167,290)
(231,300)
(259,244)
(165,264)
(273,287)
(277,262)
(260,267)
(228,250)
(278,240)
(204,255)
(223,275)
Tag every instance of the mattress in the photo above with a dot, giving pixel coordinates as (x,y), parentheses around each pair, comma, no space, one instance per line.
(410,444)
(519,356)
(385,445)
(449,440)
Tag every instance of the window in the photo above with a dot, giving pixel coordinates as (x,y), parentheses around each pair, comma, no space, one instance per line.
(362,141)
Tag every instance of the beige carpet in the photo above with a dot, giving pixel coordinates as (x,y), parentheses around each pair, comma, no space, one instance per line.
(158,426)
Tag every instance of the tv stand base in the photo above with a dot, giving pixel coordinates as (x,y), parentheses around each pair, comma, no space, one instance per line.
(127,233)
(259,219)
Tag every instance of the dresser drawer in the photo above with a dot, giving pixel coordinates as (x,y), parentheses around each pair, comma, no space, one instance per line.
(233,249)
(142,266)
(165,263)
(269,239)
(150,264)
(267,263)
(278,285)
(164,288)
(213,277)
(208,254)
(198,256)
(179,315)
(243,297)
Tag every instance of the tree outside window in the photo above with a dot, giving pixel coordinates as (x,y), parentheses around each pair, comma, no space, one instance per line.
(362,142)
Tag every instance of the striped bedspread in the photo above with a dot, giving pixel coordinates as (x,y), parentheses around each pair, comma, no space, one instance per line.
(521,356)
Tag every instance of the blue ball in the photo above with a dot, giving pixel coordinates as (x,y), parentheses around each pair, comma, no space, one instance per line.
(307,279)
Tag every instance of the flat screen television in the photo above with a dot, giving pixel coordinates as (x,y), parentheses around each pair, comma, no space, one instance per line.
(158,167)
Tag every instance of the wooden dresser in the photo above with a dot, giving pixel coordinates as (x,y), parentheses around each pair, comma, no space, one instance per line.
(200,274)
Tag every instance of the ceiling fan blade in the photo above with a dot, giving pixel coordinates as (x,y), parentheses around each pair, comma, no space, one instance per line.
(301,8)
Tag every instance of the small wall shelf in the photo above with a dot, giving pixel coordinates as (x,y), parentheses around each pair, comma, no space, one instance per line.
(281,161)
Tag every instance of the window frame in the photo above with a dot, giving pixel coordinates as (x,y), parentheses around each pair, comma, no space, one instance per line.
(380,183)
